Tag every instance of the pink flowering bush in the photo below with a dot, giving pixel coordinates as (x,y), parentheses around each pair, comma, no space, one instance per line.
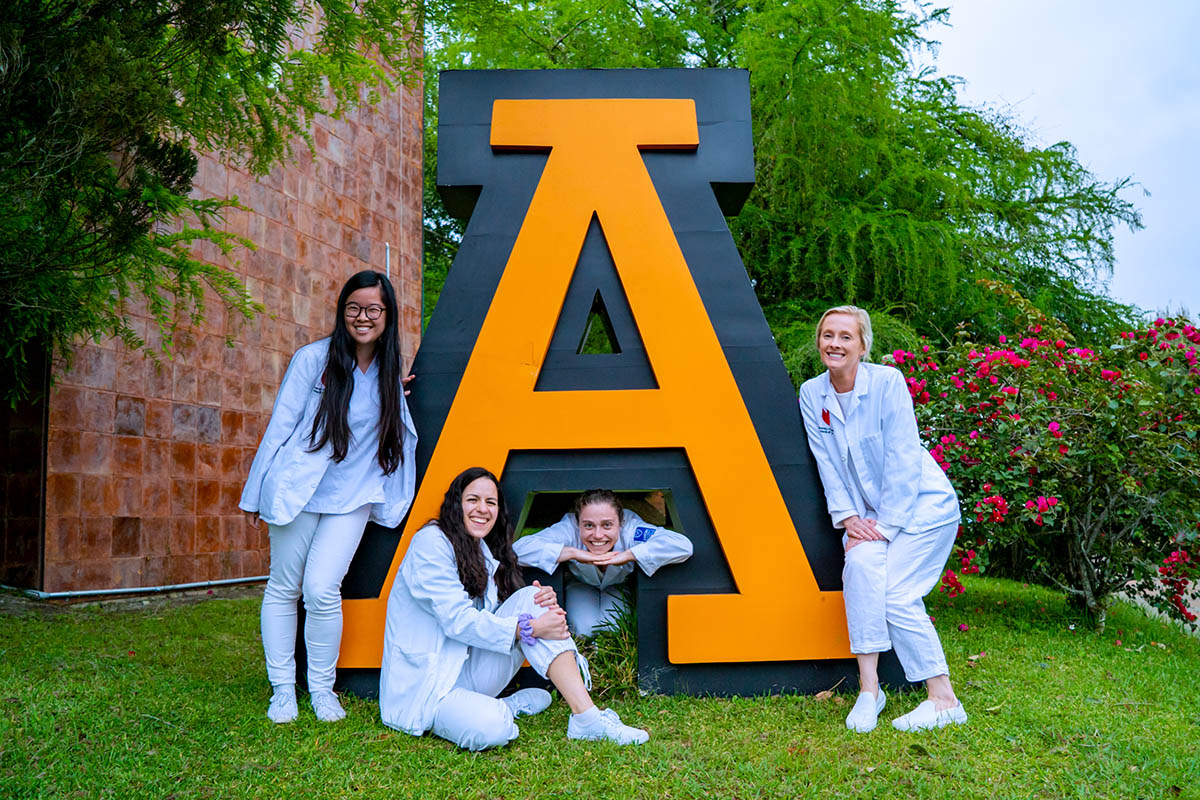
(1074,466)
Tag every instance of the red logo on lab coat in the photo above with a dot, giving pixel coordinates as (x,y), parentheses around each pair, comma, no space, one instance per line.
(825,415)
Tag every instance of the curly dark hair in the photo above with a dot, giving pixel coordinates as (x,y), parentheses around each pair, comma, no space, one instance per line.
(472,568)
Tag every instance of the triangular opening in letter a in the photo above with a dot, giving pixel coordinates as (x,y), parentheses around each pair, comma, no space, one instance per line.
(596,343)
(599,338)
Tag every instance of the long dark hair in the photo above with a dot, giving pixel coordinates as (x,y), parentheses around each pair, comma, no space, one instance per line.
(330,424)
(472,568)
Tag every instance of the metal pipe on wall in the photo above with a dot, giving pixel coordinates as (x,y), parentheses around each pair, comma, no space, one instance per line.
(39,595)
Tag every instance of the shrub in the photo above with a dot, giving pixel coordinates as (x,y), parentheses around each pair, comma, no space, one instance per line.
(1074,466)
(612,652)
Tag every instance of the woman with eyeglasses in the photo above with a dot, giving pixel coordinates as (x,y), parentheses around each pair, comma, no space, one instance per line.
(338,452)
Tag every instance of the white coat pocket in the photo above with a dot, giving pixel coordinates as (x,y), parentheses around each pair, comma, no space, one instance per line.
(871,472)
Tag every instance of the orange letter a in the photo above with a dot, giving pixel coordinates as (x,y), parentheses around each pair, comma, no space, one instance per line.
(595,167)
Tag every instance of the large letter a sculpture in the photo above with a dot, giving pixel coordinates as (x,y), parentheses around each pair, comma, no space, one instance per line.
(610,188)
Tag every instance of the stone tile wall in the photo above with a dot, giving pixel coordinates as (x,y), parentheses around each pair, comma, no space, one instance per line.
(145,462)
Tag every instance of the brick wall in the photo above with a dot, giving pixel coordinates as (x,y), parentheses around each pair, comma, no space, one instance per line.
(145,463)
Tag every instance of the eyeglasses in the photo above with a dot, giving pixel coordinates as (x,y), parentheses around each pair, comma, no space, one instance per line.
(353,310)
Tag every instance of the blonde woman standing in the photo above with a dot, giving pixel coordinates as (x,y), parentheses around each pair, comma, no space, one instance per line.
(898,511)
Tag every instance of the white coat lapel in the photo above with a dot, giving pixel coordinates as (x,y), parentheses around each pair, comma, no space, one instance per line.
(831,415)
(588,573)
(830,407)
(491,595)
(861,389)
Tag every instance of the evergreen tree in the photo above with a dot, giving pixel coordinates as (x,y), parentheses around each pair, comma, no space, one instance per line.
(103,104)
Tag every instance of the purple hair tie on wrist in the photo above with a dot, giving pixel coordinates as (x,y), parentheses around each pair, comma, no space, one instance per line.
(525,628)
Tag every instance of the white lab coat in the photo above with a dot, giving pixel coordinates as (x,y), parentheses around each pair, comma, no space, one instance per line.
(284,475)
(591,596)
(431,625)
(916,509)
(652,547)
(898,476)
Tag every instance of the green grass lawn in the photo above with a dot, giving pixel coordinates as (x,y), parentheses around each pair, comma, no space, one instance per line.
(168,701)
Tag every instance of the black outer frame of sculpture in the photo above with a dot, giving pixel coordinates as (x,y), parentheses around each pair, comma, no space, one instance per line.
(697,189)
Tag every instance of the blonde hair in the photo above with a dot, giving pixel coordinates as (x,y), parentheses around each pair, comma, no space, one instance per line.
(864,326)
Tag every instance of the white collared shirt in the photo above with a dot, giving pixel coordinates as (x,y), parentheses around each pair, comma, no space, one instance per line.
(284,474)
(843,399)
(357,479)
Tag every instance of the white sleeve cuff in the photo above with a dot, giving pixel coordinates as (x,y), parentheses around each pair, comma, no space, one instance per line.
(888,532)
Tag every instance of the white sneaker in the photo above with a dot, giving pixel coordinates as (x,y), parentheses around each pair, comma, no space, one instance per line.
(926,717)
(283,705)
(865,714)
(527,702)
(604,725)
(326,706)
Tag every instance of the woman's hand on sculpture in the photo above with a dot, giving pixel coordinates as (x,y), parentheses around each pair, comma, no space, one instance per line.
(551,625)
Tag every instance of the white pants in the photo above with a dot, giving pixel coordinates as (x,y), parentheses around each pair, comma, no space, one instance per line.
(884,584)
(589,607)
(470,715)
(309,558)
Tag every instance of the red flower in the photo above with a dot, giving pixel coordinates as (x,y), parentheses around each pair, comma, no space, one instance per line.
(951,584)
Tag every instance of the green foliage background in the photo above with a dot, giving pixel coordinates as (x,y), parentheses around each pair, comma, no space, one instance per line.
(1076,467)
(875,184)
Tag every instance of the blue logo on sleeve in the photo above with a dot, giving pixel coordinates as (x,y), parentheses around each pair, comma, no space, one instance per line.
(643,534)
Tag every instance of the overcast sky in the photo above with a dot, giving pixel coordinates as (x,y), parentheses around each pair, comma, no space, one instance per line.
(1120,81)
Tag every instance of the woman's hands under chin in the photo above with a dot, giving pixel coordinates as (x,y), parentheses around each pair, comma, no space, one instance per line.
(578,554)
(614,557)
